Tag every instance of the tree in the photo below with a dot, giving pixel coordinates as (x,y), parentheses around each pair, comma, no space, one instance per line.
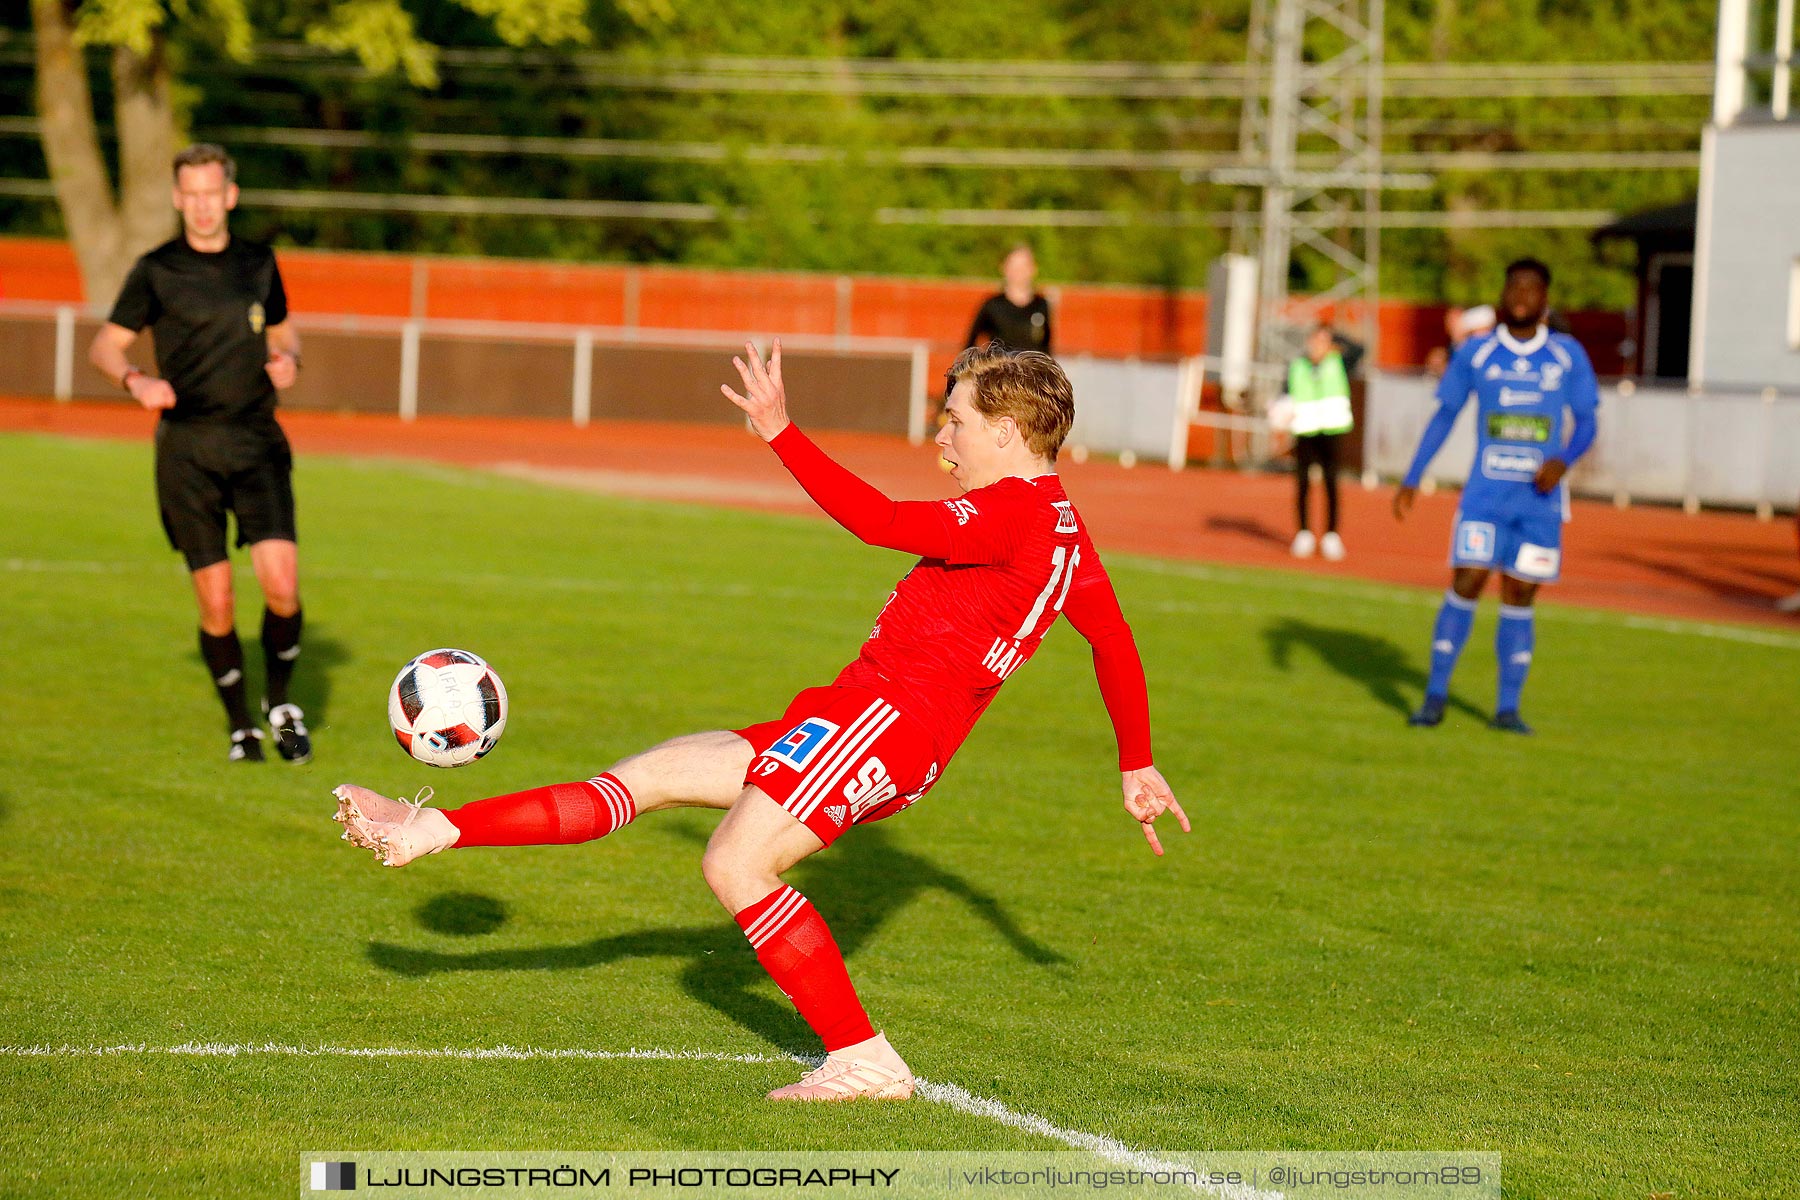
(110,229)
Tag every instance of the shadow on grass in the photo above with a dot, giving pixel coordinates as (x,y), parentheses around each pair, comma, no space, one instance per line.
(1376,663)
(861,882)
(1723,580)
(462,914)
(1249,527)
(310,687)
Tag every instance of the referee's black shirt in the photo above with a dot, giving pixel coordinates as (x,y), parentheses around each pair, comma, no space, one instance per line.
(208,313)
(1021,328)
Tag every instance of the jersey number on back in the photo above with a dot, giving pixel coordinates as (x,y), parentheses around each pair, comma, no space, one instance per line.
(1062,557)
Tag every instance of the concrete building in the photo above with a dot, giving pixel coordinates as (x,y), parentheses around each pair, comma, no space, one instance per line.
(1746,313)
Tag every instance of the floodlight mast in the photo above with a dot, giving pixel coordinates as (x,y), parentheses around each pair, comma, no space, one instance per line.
(1315,78)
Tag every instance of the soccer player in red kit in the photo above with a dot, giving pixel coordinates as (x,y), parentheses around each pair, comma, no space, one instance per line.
(996,568)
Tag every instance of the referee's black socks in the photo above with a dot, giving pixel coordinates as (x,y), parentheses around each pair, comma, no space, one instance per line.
(225,660)
(281,646)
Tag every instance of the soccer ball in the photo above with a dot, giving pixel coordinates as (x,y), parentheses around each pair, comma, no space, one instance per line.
(447,707)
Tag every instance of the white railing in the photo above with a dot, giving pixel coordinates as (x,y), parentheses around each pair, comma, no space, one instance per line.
(581,340)
(1668,445)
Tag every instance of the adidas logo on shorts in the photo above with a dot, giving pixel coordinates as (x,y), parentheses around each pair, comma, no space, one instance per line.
(837,813)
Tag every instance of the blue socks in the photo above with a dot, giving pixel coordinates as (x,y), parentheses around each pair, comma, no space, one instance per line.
(1512,646)
(1447,637)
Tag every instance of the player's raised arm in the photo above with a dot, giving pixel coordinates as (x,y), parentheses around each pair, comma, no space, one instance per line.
(914,527)
(765,397)
(1093,609)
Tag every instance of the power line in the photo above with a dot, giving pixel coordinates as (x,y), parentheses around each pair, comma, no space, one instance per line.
(523,206)
(1215,163)
(927,78)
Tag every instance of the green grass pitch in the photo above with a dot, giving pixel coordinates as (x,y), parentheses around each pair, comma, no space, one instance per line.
(1579,950)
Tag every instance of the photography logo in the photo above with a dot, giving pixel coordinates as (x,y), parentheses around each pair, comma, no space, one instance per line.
(334,1177)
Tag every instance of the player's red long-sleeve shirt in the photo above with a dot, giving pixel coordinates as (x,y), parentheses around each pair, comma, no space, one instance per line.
(997,565)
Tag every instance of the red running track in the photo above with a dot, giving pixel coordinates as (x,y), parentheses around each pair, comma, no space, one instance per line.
(1711,566)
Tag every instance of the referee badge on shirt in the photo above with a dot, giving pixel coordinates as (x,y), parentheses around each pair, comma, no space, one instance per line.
(257,319)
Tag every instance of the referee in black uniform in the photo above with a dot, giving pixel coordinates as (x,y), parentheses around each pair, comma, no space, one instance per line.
(1016,316)
(223,346)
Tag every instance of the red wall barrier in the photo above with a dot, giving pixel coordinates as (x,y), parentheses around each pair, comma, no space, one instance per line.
(363,285)
(1088,319)
(473,290)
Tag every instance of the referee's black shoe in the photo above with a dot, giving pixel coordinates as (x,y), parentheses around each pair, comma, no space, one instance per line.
(246,745)
(288,724)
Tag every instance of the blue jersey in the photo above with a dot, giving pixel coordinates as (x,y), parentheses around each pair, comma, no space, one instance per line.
(1521,390)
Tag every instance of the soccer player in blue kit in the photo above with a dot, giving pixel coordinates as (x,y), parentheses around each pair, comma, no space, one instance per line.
(1523,377)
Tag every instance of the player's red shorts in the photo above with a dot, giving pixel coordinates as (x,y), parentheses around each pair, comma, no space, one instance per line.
(840,756)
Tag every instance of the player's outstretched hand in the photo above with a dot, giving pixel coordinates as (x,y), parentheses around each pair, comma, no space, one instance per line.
(765,399)
(1147,797)
(1548,476)
(282,368)
(1403,502)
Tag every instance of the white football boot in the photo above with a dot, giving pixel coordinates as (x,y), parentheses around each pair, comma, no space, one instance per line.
(869,1070)
(395,830)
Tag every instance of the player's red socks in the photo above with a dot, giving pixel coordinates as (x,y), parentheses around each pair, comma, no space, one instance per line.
(796,948)
(561,814)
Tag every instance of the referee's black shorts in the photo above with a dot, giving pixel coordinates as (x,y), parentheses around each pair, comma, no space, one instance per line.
(205,470)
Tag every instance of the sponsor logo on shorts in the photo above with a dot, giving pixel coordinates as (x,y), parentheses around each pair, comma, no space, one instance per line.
(837,813)
(1475,540)
(931,775)
(257,318)
(849,756)
(1537,562)
(801,742)
(1511,463)
(870,788)
(963,510)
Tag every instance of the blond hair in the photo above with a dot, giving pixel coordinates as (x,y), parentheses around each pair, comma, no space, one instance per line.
(1022,384)
(202,154)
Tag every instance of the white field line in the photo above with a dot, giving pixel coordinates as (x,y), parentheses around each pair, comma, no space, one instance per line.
(949,1094)
(235,1050)
(1347,590)
(1111,1149)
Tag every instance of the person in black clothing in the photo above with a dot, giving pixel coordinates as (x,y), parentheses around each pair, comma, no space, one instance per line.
(224,344)
(1017,316)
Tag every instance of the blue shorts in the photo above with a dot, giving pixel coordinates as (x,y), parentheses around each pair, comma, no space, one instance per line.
(1524,544)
